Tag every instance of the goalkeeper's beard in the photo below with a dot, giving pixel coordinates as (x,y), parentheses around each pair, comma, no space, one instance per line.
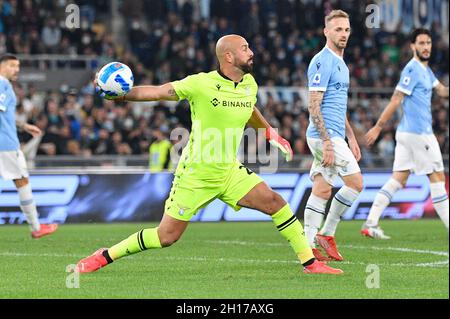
(246,68)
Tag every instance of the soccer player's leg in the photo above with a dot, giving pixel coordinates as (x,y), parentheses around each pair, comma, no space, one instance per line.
(246,189)
(167,233)
(429,160)
(371,228)
(439,196)
(347,167)
(403,164)
(320,194)
(14,168)
(315,212)
(341,202)
(186,197)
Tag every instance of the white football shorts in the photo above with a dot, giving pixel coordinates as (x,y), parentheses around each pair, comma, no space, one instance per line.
(13,165)
(418,153)
(345,161)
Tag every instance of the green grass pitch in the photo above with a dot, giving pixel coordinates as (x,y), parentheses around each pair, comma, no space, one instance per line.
(226,260)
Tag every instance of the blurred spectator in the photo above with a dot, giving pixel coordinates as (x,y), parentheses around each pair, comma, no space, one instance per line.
(386,147)
(159,152)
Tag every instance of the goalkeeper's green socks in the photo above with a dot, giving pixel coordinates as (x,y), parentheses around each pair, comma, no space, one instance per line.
(140,241)
(289,226)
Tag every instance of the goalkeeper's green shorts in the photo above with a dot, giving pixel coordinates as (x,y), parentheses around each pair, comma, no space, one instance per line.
(189,194)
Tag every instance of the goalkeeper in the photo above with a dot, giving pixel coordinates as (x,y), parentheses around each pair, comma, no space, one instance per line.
(222,103)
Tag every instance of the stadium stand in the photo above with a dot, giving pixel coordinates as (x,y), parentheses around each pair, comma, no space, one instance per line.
(173,38)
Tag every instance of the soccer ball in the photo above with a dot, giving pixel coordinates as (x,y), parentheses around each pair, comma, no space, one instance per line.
(115,79)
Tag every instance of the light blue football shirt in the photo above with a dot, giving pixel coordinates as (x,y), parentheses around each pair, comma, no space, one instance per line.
(417,82)
(327,72)
(8,131)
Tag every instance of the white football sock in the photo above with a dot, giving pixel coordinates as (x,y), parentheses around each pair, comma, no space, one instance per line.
(342,201)
(440,201)
(28,207)
(314,215)
(382,200)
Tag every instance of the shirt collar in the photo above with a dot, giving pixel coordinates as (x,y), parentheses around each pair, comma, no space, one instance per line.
(227,78)
(338,56)
(423,66)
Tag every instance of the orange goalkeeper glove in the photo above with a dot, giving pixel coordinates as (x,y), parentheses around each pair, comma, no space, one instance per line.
(279,142)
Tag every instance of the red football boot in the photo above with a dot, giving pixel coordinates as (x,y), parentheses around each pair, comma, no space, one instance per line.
(318,255)
(46,229)
(92,263)
(319,267)
(329,245)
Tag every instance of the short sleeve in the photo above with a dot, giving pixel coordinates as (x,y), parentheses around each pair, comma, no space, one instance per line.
(435,82)
(408,81)
(319,74)
(186,87)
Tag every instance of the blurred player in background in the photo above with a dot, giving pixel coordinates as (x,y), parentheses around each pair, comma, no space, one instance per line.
(220,101)
(159,152)
(417,148)
(12,161)
(328,83)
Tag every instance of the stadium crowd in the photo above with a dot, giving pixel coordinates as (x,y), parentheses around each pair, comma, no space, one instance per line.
(169,39)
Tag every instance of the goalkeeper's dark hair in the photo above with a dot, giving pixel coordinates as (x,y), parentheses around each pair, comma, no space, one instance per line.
(7,57)
(418,32)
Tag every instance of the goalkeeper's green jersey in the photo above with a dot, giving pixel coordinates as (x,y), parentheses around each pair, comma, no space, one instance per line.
(220,109)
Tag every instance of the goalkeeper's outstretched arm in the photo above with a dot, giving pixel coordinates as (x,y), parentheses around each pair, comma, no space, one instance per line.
(164,92)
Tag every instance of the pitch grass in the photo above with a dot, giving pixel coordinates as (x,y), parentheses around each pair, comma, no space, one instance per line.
(226,260)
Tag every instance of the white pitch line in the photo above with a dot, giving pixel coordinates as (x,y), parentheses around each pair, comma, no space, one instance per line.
(13,254)
(408,250)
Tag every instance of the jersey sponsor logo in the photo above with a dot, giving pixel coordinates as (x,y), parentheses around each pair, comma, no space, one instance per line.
(316,79)
(215,102)
(406,80)
(341,85)
(237,104)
